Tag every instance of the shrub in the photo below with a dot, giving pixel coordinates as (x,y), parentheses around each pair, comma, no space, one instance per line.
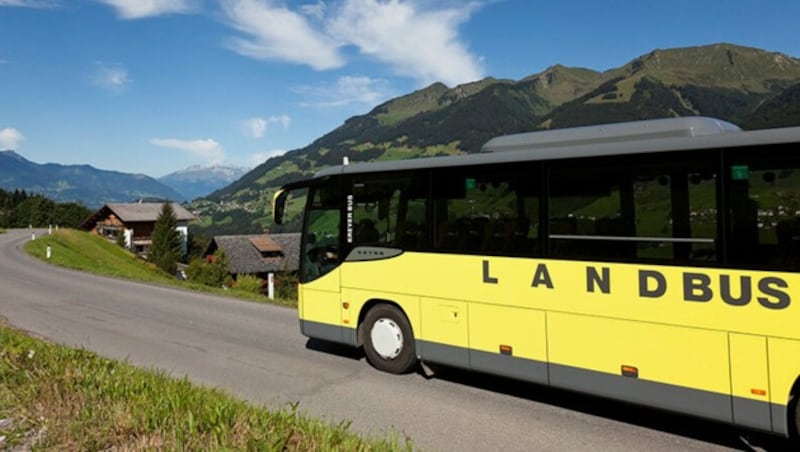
(286,285)
(211,272)
(248,283)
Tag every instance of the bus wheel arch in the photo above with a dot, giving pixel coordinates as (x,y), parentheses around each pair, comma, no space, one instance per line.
(387,337)
(793,414)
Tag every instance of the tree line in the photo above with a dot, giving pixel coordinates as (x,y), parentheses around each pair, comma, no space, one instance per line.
(19,209)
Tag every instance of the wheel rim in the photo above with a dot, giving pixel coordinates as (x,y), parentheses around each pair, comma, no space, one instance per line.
(387,338)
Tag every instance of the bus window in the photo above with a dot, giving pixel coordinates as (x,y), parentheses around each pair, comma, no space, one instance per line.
(634,211)
(586,213)
(764,209)
(390,210)
(487,211)
(321,240)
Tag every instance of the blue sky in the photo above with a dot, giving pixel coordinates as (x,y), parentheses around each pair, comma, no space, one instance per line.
(153,86)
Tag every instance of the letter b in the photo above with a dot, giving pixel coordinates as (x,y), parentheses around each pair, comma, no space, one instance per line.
(697,287)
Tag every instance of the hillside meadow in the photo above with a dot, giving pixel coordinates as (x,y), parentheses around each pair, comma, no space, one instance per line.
(87,252)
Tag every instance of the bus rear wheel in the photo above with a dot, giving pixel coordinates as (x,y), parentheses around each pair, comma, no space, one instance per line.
(794,406)
(388,340)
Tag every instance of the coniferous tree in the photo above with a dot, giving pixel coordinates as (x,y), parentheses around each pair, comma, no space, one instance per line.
(165,251)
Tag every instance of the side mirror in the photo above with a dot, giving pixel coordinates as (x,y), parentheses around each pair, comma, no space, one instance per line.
(279,205)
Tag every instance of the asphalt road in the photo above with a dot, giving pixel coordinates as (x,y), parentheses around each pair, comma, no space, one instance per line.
(256,351)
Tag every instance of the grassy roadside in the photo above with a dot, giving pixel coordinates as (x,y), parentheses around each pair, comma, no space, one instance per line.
(57,398)
(87,252)
(54,397)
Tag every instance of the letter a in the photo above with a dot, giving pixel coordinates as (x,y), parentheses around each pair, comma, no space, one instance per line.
(542,276)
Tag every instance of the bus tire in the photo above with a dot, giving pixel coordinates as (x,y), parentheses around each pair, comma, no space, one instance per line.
(794,421)
(388,340)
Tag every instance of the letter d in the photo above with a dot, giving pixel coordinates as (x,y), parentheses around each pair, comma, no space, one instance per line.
(645,276)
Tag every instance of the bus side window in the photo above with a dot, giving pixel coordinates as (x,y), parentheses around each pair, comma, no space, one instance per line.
(366,233)
(627,210)
(487,210)
(390,210)
(764,208)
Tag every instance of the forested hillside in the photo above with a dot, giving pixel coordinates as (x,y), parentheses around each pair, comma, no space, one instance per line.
(19,209)
(747,86)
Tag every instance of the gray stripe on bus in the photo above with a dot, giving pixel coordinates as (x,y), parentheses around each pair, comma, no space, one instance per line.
(328,332)
(660,395)
(780,419)
(509,366)
(443,354)
(372,253)
(752,413)
(747,413)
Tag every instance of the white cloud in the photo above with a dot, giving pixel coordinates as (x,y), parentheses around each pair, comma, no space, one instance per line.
(138,9)
(31,3)
(111,77)
(347,90)
(256,127)
(314,10)
(10,138)
(412,37)
(206,149)
(261,157)
(277,33)
(415,42)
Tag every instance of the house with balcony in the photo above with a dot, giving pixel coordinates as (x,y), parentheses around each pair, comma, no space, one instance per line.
(133,223)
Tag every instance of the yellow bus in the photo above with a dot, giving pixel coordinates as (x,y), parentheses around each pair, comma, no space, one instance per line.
(654,262)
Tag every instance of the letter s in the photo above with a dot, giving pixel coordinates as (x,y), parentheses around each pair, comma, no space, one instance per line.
(771,287)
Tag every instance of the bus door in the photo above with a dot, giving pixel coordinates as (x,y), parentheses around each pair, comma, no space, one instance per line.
(319,302)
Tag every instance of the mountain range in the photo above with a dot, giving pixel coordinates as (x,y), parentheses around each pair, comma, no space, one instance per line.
(78,183)
(196,181)
(751,87)
(94,187)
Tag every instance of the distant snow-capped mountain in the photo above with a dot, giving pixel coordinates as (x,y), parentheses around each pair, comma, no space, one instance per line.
(196,181)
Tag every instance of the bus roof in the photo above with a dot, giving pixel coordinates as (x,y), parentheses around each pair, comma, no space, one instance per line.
(636,137)
(611,133)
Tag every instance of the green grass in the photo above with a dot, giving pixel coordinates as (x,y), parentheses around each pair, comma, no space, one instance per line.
(88,252)
(57,398)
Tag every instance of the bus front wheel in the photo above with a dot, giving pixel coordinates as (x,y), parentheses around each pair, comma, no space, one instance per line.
(388,340)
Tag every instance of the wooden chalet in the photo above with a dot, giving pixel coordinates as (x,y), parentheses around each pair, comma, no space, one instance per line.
(258,255)
(135,223)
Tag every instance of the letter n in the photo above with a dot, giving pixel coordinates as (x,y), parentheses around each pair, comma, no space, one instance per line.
(593,278)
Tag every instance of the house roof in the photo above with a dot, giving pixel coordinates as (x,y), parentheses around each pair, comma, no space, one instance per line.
(134,213)
(146,211)
(244,252)
(265,244)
